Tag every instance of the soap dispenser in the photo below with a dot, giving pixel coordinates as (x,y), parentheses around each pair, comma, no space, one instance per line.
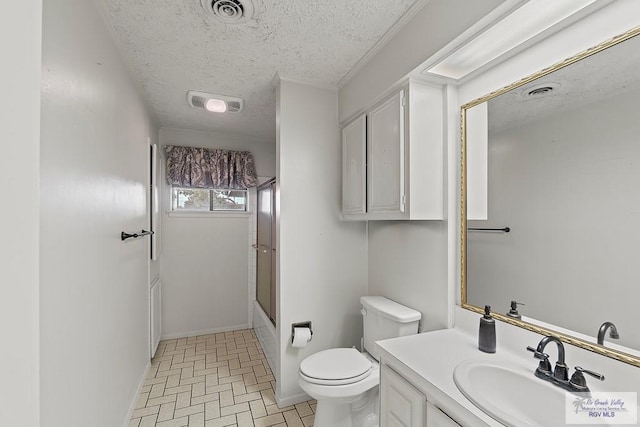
(487,333)
(513,312)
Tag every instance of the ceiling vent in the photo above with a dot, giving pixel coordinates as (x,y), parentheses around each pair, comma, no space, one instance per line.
(539,90)
(214,103)
(229,11)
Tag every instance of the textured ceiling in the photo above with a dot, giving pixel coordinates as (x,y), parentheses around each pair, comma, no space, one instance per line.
(584,82)
(175,46)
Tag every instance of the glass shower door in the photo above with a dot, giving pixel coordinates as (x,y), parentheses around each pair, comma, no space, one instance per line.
(265,277)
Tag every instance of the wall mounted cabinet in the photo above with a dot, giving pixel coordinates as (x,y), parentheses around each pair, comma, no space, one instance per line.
(354,173)
(398,145)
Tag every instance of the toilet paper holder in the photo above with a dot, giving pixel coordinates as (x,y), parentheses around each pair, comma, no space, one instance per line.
(300,325)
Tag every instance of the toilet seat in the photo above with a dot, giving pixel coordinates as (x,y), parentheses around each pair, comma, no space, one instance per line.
(336,366)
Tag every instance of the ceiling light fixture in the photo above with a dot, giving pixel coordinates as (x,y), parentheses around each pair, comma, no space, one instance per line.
(214,103)
(526,22)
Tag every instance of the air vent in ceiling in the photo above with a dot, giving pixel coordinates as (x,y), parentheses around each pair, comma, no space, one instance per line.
(539,90)
(229,11)
(234,106)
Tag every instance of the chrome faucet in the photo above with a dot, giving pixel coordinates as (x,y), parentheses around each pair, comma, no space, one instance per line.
(558,376)
(613,333)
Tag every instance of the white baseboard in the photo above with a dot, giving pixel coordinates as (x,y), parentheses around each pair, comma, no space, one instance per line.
(291,400)
(204,332)
(127,420)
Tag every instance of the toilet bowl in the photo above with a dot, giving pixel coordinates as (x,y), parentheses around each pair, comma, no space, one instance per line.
(345,384)
(345,381)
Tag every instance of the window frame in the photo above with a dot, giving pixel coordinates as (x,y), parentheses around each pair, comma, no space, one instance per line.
(210,210)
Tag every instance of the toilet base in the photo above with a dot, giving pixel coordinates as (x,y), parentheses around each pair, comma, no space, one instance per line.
(361,412)
(331,414)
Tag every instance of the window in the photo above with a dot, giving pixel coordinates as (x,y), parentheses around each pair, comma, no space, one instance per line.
(202,199)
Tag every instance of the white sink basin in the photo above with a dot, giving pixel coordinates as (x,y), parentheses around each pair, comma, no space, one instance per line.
(510,394)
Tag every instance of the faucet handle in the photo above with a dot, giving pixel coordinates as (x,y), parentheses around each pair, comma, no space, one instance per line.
(544,365)
(537,354)
(588,372)
(579,382)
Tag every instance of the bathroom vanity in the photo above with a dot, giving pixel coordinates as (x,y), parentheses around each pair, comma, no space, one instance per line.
(417,386)
(416,381)
(404,404)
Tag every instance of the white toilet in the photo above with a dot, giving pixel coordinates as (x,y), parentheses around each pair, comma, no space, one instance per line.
(345,381)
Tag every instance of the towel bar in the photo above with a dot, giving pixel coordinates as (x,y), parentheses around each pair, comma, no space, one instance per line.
(504,230)
(125,236)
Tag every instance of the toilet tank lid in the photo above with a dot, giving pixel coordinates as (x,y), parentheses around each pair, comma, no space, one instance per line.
(390,309)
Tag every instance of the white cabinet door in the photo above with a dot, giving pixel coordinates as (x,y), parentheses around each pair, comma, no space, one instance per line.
(354,149)
(437,418)
(401,404)
(155,319)
(386,156)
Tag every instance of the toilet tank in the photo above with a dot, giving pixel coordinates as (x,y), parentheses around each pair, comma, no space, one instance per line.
(383,319)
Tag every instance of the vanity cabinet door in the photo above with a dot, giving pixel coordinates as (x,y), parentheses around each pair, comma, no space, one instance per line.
(437,418)
(401,404)
(354,177)
(386,156)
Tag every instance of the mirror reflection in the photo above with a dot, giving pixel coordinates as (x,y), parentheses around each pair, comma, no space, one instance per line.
(564,175)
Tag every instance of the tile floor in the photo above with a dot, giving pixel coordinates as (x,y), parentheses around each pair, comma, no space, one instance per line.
(214,381)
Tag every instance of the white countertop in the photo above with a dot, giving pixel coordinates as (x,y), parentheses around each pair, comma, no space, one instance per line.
(429,359)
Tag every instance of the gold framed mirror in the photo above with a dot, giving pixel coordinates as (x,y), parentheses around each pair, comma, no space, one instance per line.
(538,83)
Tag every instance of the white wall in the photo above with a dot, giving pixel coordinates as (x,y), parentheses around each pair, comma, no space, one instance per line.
(93,287)
(567,186)
(205,258)
(20,38)
(408,264)
(433,27)
(322,260)
(204,273)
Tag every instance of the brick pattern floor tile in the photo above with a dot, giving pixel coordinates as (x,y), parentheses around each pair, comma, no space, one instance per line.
(214,380)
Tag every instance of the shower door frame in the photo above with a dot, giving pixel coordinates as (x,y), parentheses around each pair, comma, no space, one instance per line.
(263,247)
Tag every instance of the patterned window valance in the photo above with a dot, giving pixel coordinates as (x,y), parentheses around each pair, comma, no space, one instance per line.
(205,168)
